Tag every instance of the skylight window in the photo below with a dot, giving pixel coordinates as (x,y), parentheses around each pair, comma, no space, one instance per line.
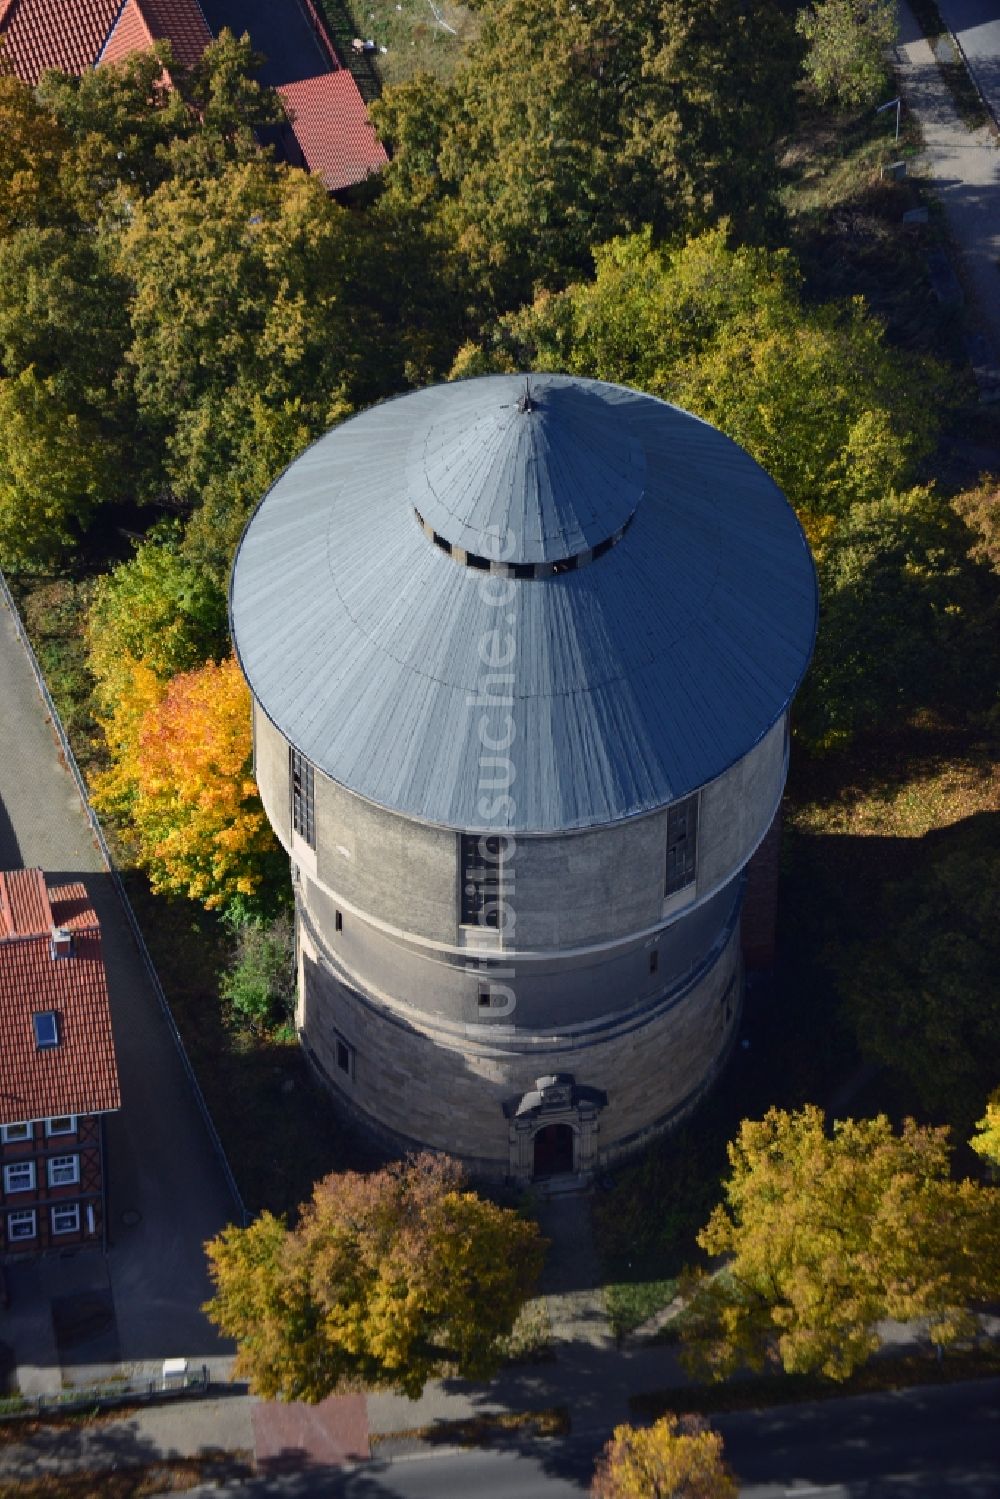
(46,1025)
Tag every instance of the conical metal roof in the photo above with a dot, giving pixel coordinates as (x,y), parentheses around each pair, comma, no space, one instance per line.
(654,614)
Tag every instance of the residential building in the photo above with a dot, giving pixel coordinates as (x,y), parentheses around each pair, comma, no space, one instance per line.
(58,1075)
(328,129)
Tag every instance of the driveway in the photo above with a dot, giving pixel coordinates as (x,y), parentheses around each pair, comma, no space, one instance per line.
(167,1192)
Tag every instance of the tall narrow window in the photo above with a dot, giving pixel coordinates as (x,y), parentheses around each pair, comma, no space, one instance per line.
(303,797)
(682,844)
(482,881)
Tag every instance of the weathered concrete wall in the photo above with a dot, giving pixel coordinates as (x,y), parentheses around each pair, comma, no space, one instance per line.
(569,891)
(421,1086)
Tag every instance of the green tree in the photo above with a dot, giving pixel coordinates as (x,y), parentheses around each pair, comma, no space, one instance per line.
(661,112)
(259,984)
(387,1280)
(923,996)
(55,469)
(826,1235)
(903,611)
(678,1457)
(813,393)
(158,608)
(32,150)
(846,42)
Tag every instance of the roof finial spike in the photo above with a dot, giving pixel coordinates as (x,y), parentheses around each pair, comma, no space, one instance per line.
(526,403)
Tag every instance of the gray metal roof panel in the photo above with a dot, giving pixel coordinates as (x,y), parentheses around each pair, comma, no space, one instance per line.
(636,678)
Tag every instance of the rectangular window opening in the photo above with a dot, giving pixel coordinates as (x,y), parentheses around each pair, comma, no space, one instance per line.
(66,1218)
(64,1170)
(345,1056)
(484,999)
(303,796)
(20,1226)
(481,874)
(46,1024)
(19,1176)
(682,844)
(338,921)
(654,960)
(12,1132)
(63,1124)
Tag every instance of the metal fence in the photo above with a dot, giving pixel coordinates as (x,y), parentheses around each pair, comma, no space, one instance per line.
(102,846)
(107,1396)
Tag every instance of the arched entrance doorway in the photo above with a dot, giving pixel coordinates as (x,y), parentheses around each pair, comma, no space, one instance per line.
(554,1150)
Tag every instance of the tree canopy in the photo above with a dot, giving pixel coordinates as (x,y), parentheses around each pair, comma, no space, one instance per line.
(846,43)
(678,1457)
(386,1281)
(826,1234)
(181,776)
(660,112)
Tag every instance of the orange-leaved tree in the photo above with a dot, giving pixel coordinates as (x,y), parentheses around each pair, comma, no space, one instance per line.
(678,1457)
(181,776)
(386,1281)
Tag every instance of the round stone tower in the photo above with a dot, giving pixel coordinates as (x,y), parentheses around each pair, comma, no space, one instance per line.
(521,653)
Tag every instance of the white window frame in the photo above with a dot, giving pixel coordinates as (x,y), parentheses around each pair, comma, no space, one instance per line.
(24,1215)
(10,1131)
(50,1125)
(60,1163)
(15,1169)
(70,1210)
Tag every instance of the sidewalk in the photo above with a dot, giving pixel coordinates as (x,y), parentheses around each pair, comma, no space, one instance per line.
(962,168)
(166,1190)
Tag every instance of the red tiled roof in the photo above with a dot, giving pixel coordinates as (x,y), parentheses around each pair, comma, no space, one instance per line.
(143,22)
(64,34)
(79,1076)
(24,904)
(331,125)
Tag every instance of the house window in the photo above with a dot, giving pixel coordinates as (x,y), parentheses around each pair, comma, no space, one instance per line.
(481,874)
(66,1218)
(12,1132)
(64,1170)
(303,797)
(63,1124)
(345,1055)
(484,999)
(46,1025)
(338,921)
(19,1176)
(20,1226)
(682,844)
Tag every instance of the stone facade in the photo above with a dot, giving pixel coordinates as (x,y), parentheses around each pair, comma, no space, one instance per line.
(436,1034)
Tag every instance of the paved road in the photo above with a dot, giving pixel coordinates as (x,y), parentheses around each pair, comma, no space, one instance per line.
(939,1443)
(962,167)
(976,23)
(161,1166)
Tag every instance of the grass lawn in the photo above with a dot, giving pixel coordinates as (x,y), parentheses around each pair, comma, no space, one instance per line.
(419,37)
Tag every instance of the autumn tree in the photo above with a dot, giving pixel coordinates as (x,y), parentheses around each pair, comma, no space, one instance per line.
(825,1234)
(386,1281)
(678,1457)
(181,778)
(846,43)
(979,508)
(157,609)
(986,1140)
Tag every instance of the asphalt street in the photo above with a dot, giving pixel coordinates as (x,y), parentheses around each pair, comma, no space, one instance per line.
(934,1443)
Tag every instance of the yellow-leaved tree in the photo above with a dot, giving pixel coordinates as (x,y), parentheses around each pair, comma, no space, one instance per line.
(181,777)
(387,1280)
(678,1457)
(826,1234)
(986,1140)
